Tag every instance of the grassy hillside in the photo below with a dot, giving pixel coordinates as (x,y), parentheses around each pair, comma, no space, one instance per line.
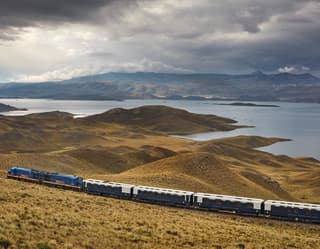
(35,216)
(133,146)
(165,119)
(198,171)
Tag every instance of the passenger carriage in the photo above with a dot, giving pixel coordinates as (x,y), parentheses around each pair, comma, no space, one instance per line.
(228,203)
(162,195)
(108,188)
(292,210)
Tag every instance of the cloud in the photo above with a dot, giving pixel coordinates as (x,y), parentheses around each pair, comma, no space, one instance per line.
(286,69)
(68,72)
(223,36)
(19,14)
(304,68)
(293,69)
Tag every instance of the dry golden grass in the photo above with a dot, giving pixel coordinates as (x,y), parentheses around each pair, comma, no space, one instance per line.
(34,216)
(198,172)
(164,119)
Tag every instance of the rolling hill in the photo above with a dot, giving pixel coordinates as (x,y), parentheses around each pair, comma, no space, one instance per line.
(199,172)
(165,119)
(134,146)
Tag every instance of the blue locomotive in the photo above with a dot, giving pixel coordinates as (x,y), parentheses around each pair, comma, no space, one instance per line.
(46,178)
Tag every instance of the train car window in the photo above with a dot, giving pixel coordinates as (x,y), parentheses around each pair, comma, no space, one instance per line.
(205,200)
(279,209)
(284,209)
(306,212)
(249,205)
(236,204)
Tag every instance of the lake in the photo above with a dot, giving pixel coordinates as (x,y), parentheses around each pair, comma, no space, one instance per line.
(297,121)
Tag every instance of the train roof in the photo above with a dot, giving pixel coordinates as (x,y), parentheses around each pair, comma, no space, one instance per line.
(45,172)
(68,176)
(163,190)
(299,205)
(228,197)
(17,167)
(107,183)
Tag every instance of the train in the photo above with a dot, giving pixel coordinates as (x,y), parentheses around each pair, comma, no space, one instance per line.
(284,210)
(46,178)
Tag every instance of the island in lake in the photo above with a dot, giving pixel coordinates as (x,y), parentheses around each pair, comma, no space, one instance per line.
(249,104)
(9,108)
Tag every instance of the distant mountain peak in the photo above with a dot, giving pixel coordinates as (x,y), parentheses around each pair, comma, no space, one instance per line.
(297,75)
(257,72)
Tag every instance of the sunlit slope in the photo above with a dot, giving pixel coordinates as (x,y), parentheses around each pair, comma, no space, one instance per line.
(198,171)
(165,119)
(136,149)
(280,174)
(121,158)
(134,146)
(44,132)
(34,216)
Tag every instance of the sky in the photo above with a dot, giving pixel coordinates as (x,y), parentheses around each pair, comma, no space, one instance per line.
(44,40)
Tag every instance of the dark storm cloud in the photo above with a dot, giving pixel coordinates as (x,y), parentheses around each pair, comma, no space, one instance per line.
(196,19)
(18,14)
(228,36)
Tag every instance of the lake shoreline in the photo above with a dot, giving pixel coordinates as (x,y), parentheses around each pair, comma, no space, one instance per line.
(248,104)
(296,121)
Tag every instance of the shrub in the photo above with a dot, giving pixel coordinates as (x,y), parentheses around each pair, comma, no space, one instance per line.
(4,243)
(174,233)
(3,199)
(241,246)
(43,246)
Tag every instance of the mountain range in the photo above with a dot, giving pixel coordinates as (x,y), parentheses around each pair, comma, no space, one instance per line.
(256,86)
